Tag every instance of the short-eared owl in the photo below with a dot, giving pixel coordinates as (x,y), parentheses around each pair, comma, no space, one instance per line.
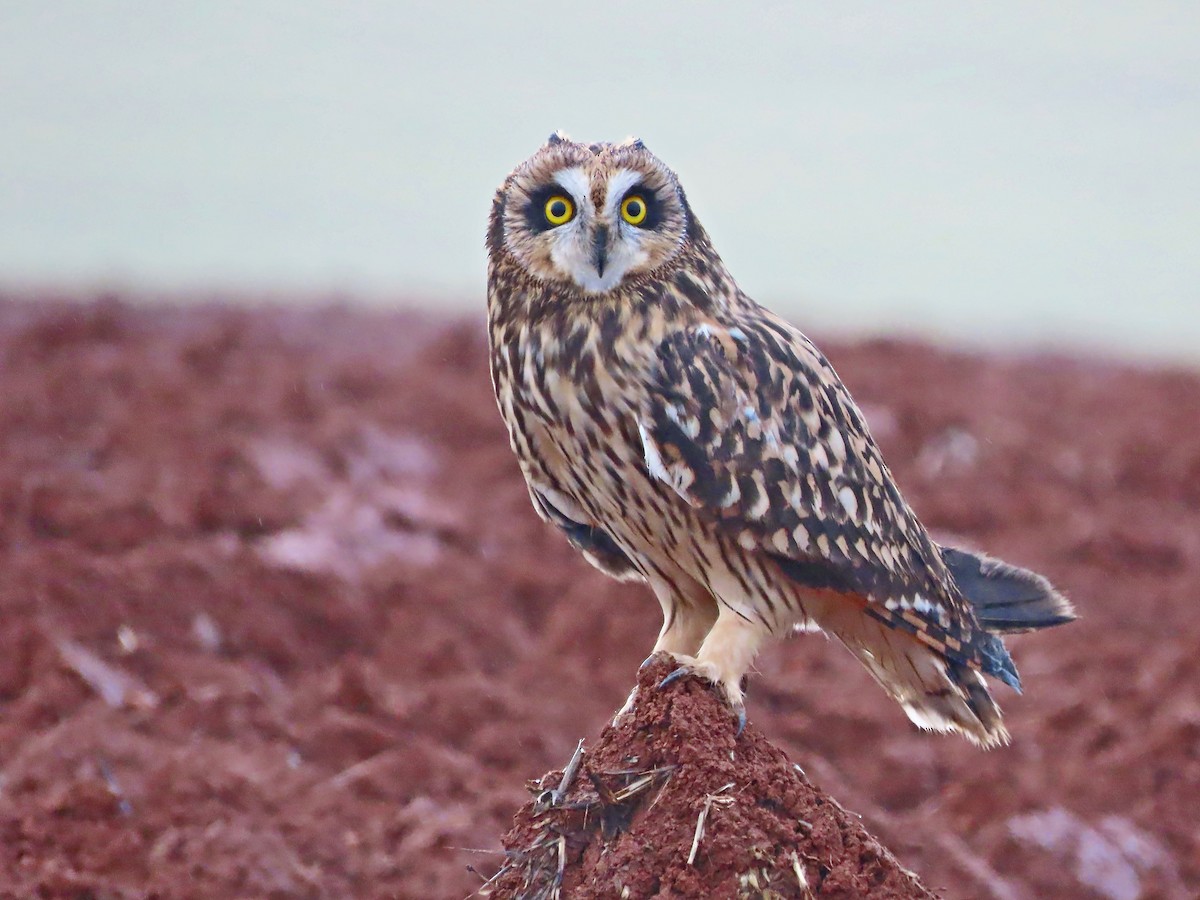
(682,435)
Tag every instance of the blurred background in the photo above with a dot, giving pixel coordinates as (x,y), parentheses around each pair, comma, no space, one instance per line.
(1024,174)
(276,615)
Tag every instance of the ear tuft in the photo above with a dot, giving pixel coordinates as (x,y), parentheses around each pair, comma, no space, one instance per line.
(557,137)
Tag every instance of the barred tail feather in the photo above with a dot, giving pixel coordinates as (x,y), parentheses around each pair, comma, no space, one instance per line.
(979,701)
(957,701)
(937,693)
(1006,598)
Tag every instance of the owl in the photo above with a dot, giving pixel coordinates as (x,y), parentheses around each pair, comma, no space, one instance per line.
(682,435)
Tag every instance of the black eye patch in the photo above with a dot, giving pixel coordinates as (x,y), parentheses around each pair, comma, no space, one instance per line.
(649,200)
(535,209)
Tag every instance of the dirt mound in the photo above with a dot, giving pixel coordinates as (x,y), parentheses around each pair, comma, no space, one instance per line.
(277,619)
(673,803)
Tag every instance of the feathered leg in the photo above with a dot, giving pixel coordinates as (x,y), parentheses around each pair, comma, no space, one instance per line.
(724,657)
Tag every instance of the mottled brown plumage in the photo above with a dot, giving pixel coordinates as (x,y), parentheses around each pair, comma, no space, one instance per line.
(683,435)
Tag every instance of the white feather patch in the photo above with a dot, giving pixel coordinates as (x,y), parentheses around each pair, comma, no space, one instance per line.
(575,182)
(654,461)
(734,494)
(849,501)
(761,504)
(618,186)
(800,536)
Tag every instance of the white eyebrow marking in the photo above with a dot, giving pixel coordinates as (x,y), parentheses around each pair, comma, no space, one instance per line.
(575,182)
(618,186)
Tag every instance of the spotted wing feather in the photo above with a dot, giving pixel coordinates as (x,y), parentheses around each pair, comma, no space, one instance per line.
(751,426)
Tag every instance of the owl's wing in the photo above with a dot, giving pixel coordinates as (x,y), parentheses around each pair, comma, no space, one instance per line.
(752,427)
(593,542)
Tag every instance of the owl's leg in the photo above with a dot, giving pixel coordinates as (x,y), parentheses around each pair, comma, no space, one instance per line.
(689,612)
(725,656)
(685,625)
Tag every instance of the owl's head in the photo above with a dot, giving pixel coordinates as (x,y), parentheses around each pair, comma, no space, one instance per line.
(590,215)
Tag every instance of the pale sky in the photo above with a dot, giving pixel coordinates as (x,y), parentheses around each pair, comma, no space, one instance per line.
(1022,172)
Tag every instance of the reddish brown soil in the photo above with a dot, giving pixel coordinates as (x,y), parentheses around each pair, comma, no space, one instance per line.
(674,803)
(277,619)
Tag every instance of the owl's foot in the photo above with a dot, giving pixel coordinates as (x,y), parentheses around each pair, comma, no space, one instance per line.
(627,706)
(729,687)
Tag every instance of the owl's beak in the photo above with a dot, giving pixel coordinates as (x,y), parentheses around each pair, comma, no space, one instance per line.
(600,249)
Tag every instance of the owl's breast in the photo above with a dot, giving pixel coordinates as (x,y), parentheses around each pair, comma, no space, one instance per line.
(562,394)
(570,403)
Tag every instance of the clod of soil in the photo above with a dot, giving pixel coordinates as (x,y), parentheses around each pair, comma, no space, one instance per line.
(673,803)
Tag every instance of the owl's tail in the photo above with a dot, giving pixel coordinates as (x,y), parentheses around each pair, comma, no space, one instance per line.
(937,693)
(1006,598)
(943,692)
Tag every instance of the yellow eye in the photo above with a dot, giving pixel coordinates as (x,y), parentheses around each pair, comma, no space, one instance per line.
(559,210)
(633,209)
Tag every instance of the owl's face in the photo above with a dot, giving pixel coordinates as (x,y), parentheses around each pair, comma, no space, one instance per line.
(590,215)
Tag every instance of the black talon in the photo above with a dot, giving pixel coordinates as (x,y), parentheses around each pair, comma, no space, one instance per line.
(645,662)
(674,676)
(741,722)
